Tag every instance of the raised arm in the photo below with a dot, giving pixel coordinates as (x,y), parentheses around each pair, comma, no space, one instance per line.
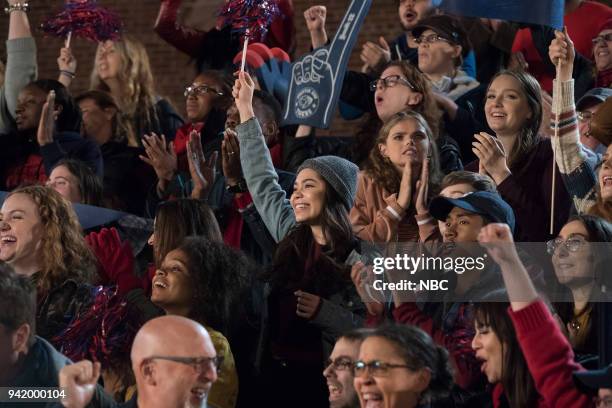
(184,39)
(573,159)
(21,68)
(261,178)
(548,354)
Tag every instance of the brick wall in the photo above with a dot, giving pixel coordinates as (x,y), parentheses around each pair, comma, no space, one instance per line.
(172,69)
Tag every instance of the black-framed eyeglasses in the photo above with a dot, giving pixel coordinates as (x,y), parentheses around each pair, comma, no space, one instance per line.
(585,116)
(199,364)
(430,39)
(340,364)
(376,368)
(603,38)
(390,82)
(572,244)
(191,90)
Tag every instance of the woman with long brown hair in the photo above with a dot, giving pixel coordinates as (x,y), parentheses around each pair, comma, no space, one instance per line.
(524,354)
(41,237)
(518,159)
(399,178)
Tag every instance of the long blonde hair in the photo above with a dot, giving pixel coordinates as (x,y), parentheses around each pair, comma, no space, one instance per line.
(136,77)
(64,252)
(384,172)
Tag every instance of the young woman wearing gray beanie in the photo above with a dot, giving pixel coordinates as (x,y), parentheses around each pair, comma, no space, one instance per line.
(310,297)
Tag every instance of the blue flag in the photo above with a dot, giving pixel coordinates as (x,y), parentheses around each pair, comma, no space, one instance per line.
(541,12)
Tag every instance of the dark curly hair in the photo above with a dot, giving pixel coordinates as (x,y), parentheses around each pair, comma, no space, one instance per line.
(219,275)
(384,172)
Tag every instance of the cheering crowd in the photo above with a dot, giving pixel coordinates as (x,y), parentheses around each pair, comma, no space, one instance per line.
(236,267)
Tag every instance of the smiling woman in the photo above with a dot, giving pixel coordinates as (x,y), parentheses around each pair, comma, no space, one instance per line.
(582,268)
(41,237)
(518,159)
(203,280)
(400,366)
(309,296)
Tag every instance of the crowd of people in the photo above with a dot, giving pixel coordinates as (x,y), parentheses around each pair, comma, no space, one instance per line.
(237,267)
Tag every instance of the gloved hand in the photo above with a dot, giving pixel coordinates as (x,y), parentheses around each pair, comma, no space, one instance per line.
(116,259)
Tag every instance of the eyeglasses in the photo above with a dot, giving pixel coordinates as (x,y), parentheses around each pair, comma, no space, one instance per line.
(585,116)
(200,90)
(572,244)
(602,38)
(199,364)
(605,402)
(390,82)
(430,39)
(340,364)
(376,368)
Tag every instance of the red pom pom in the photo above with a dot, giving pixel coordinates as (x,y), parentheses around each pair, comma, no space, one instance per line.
(85,19)
(250,18)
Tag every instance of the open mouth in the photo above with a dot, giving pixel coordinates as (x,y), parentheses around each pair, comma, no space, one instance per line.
(7,239)
(199,393)
(379,100)
(372,399)
(301,206)
(607,181)
(335,391)
(498,115)
(160,284)
(409,16)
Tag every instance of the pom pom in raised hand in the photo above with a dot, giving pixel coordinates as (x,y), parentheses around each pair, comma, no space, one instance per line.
(85,19)
(250,18)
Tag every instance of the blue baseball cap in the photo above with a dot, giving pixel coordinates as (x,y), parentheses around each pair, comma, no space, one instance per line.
(593,97)
(485,203)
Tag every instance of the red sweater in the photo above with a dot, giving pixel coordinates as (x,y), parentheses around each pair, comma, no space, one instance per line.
(281,31)
(582,25)
(549,357)
(458,342)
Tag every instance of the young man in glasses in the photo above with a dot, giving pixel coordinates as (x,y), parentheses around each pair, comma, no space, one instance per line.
(442,45)
(339,370)
(174,363)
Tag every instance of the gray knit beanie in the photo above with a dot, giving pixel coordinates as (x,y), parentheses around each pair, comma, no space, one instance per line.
(339,173)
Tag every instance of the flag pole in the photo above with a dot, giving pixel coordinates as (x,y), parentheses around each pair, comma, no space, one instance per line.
(556,105)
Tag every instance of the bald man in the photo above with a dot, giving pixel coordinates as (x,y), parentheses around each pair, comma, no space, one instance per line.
(174,362)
